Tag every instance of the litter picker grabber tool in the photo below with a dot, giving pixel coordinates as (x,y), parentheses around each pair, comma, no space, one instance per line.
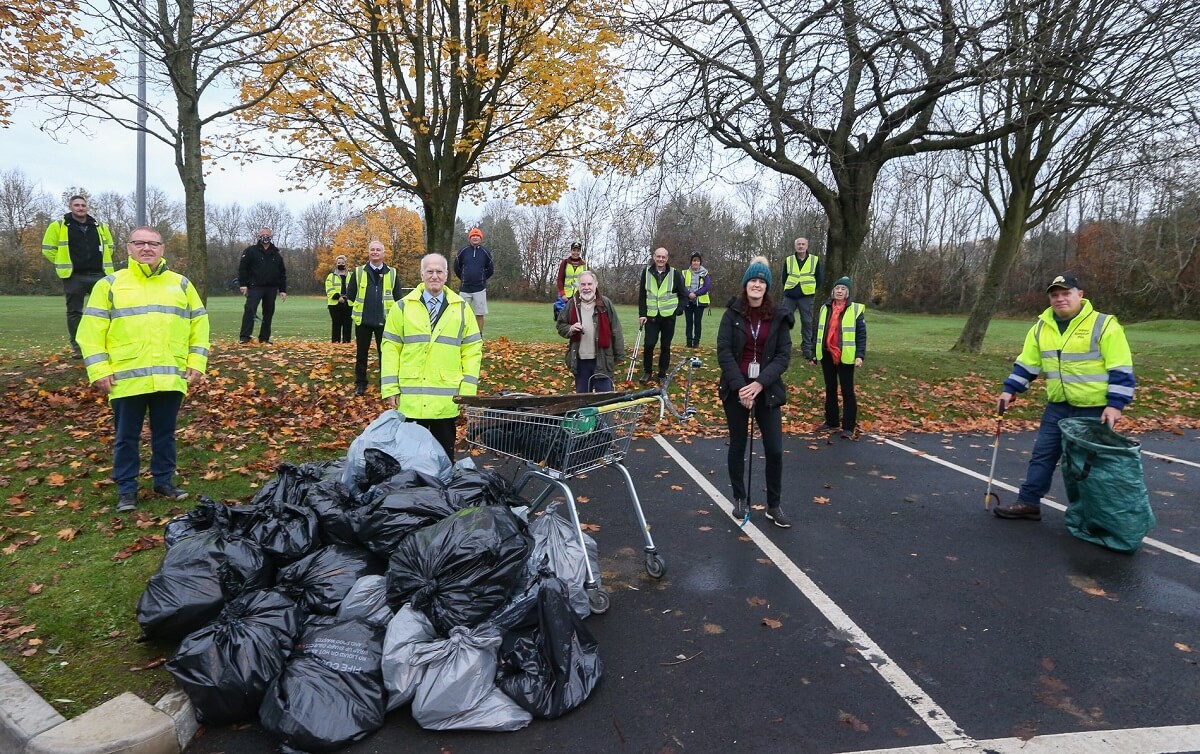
(749,467)
(637,345)
(990,497)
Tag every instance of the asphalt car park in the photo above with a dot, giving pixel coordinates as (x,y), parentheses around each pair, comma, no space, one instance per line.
(897,614)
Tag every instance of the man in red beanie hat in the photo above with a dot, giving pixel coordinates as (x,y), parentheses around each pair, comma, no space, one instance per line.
(473,266)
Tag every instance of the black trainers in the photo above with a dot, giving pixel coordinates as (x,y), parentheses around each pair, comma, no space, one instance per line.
(126,501)
(644,380)
(775,516)
(76,353)
(243,340)
(740,509)
(171,491)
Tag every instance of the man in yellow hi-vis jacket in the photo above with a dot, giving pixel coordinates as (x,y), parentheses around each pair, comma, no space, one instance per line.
(81,250)
(144,336)
(432,350)
(1084,357)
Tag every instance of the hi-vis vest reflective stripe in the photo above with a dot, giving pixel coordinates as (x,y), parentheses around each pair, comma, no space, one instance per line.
(803,275)
(571,278)
(428,367)
(389,285)
(849,334)
(333,287)
(661,300)
(56,248)
(687,280)
(1072,362)
(144,329)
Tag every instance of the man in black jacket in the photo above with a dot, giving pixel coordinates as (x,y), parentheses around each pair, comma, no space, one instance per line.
(261,275)
(661,293)
(373,290)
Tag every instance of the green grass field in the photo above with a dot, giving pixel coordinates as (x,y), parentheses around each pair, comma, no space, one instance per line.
(73,569)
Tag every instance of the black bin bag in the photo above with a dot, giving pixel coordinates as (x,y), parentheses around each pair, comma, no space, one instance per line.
(330,692)
(461,569)
(226,667)
(552,668)
(397,507)
(197,577)
(320,581)
(209,514)
(335,508)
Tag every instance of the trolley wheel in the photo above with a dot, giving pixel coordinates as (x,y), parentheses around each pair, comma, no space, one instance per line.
(598,601)
(656,567)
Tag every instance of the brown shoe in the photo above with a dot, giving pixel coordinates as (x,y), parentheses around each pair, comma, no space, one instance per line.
(1019,510)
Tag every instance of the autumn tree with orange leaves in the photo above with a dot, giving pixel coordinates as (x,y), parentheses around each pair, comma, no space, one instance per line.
(195,53)
(439,98)
(399,229)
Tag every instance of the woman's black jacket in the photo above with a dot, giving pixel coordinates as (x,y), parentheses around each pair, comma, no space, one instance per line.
(777,353)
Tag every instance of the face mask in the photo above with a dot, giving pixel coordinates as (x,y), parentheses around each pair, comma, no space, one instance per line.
(341,266)
(264,239)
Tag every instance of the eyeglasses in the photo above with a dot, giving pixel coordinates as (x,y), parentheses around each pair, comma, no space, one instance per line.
(144,244)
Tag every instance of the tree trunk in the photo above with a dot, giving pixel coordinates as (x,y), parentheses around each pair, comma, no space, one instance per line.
(849,213)
(1008,246)
(191,174)
(441,209)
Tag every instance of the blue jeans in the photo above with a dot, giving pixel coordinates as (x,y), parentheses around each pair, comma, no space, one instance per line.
(129,413)
(1047,449)
(693,317)
(587,381)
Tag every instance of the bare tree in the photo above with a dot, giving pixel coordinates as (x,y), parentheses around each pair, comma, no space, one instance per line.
(541,232)
(193,50)
(1102,75)
(24,213)
(827,93)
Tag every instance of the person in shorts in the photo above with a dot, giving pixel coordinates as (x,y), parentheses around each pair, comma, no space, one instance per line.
(473,267)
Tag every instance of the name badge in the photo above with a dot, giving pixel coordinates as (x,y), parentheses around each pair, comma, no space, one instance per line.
(752,371)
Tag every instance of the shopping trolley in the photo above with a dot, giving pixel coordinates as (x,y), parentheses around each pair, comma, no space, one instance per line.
(558,438)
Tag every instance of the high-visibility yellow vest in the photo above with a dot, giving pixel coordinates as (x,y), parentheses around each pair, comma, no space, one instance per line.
(389,286)
(427,366)
(333,287)
(571,275)
(687,280)
(661,300)
(849,333)
(1075,363)
(803,275)
(144,328)
(56,248)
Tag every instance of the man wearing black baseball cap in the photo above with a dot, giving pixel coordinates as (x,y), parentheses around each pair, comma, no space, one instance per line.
(1084,357)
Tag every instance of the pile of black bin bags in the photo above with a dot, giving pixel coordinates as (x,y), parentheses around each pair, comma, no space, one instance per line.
(318,608)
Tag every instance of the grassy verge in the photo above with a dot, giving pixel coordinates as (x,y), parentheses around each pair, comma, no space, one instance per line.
(73,570)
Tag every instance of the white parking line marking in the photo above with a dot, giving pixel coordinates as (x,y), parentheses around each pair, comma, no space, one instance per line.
(1150,541)
(908,690)
(1130,741)
(1170,459)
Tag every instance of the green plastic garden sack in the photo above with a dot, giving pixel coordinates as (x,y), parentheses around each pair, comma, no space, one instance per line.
(1109,504)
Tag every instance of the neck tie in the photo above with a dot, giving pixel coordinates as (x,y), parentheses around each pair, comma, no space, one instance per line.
(433,309)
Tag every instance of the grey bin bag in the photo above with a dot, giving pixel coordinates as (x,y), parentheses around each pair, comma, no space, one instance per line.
(458,690)
(367,599)
(411,445)
(1102,471)
(554,537)
(408,630)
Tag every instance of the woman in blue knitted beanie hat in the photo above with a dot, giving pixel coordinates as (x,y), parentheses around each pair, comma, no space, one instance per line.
(840,356)
(754,347)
